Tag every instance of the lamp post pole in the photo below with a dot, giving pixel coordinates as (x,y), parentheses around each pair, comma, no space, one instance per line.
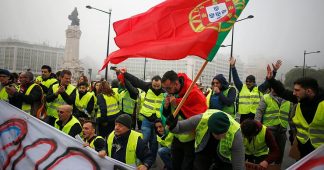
(305,53)
(145,60)
(232,44)
(109,13)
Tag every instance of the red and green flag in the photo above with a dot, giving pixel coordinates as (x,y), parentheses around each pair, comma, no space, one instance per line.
(175,29)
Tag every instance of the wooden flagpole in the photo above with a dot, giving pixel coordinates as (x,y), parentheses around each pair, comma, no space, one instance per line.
(189,89)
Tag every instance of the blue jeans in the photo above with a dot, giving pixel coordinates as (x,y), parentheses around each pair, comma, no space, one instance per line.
(149,135)
(165,155)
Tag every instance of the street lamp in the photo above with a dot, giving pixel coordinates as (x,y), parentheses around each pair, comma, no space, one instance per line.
(109,13)
(232,43)
(305,53)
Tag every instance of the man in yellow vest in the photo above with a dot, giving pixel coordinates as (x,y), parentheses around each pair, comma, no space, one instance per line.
(85,102)
(66,122)
(5,82)
(218,140)
(28,97)
(222,96)
(260,145)
(273,112)
(150,109)
(47,79)
(59,94)
(165,139)
(127,146)
(309,112)
(249,93)
(90,138)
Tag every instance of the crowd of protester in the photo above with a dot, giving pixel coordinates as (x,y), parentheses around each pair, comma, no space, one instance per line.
(133,121)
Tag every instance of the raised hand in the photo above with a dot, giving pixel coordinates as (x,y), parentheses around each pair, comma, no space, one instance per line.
(232,61)
(277,65)
(269,72)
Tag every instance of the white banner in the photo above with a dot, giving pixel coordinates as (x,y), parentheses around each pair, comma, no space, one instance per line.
(29,144)
(313,161)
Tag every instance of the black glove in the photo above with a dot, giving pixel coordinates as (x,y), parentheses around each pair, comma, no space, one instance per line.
(172,121)
(291,137)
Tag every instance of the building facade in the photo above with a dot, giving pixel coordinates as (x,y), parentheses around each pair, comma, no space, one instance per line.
(17,56)
(189,65)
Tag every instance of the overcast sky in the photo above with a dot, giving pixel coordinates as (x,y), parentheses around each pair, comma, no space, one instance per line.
(280,28)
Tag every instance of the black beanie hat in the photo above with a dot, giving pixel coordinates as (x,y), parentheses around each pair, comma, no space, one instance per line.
(125,120)
(218,123)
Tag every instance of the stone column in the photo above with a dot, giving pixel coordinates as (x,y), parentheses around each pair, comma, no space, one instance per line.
(71,53)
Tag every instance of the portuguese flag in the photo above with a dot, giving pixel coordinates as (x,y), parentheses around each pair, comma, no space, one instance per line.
(175,29)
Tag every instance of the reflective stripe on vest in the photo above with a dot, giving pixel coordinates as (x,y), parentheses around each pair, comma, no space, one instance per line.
(112,105)
(258,146)
(25,106)
(249,100)
(53,106)
(313,131)
(67,127)
(152,104)
(167,141)
(126,103)
(130,156)
(273,114)
(228,109)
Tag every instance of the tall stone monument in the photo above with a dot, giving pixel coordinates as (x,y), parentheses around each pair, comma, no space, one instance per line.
(71,53)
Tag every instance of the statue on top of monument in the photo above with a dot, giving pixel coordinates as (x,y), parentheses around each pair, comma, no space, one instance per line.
(74,17)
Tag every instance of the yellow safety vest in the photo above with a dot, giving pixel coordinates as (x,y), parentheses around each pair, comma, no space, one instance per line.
(140,104)
(126,103)
(167,141)
(228,109)
(48,82)
(53,106)
(152,104)
(25,106)
(258,145)
(275,115)
(67,127)
(4,94)
(225,144)
(130,148)
(249,101)
(82,103)
(313,131)
(112,105)
(92,142)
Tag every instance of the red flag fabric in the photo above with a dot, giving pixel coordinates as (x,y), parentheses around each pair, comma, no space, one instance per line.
(175,29)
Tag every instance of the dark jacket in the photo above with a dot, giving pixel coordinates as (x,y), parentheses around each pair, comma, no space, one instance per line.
(142,151)
(34,98)
(75,129)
